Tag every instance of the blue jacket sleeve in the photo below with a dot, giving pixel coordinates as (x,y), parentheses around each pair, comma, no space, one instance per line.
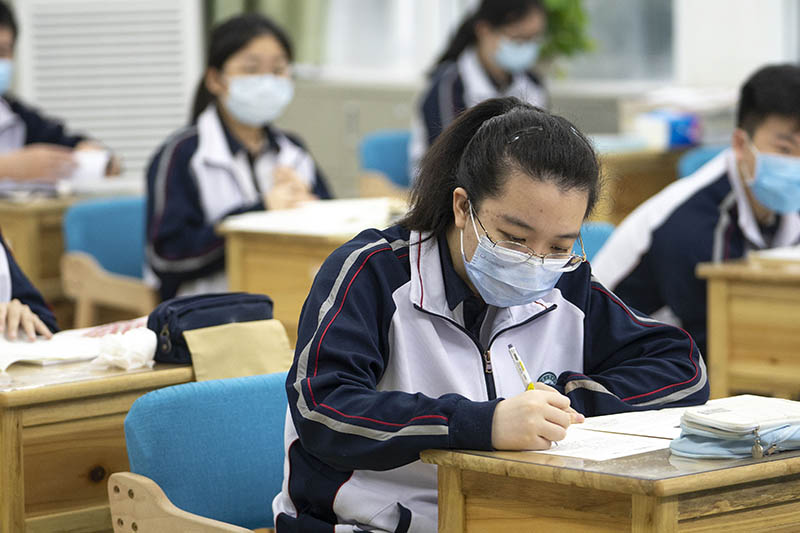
(24,291)
(41,129)
(340,415)
(632,362)
(181,244)
(443,101)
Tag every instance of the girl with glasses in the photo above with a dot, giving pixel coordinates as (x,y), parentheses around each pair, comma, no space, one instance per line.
(405,341)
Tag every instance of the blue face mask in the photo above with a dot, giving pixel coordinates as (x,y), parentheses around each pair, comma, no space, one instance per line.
(258,100)
(502,279)
(516,57)
(6,71)
(776,183)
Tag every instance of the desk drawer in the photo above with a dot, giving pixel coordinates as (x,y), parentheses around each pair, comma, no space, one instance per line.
(67,464)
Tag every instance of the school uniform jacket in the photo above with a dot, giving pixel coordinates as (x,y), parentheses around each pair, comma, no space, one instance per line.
(21,125)
(198,177)
(459,85)
(384,368)
(15,285)
(649,261)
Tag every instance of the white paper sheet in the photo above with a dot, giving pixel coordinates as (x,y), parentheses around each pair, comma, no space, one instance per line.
(744,413)
(665,424)
(602,446)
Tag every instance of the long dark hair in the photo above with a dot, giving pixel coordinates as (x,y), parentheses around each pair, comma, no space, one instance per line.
(480,149)
(229,37)
(496,13)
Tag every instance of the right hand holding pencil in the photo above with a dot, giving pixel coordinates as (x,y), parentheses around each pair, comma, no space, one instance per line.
(532,420)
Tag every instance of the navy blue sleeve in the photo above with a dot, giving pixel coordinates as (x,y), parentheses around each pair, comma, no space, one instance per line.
(342,349)
(181,244)
(632,362)
(41,129)
(24,291)
(442,102)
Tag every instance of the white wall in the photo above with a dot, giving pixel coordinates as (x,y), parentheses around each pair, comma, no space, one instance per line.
(721,42)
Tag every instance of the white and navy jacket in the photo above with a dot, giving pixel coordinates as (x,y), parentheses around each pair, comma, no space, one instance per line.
(15,285)
(201,175)
(21,125)
(649,261)
(386,366)
(459,85)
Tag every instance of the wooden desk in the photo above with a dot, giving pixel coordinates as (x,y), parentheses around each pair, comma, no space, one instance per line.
(279,253)
(631,178)
(61,436)
(753,328)
(650,492)
(33,230)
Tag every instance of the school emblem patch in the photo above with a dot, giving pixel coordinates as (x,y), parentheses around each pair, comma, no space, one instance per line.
(548,378)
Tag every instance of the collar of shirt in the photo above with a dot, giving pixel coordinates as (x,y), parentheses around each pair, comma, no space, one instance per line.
(458,292)
(235,146)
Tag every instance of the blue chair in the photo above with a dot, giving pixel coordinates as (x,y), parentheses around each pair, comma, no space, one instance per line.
(386,151)
(102,266)
(215,449)
(594,235)
(695,158)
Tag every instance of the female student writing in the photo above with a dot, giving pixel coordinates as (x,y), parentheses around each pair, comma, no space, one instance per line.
(22,308)
(403,340)
(490,55)
(231,159)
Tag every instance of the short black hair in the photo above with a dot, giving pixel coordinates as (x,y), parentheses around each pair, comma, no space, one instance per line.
(7,19)
(485,145)
(772,90)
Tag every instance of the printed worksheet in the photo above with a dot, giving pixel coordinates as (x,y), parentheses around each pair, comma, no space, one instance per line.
(665,424)
(602,446)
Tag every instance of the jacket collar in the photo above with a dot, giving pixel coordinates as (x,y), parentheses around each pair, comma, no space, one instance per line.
(478,85)
(788,227)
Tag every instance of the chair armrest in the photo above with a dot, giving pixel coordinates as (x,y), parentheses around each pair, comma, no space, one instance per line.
(139,500)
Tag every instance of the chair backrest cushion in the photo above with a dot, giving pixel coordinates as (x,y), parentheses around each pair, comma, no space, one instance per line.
(215,448)
(695,158)
(387,151)
(110,230)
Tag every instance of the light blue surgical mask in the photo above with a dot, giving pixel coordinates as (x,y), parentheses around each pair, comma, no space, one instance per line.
(258,100)
(505,278)
(776,181)
(515,57)
(6,72)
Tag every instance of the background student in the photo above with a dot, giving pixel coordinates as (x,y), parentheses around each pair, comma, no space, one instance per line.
(21,305)
(747,198)
(32,146)
(231,159)
(491,54)
(402,343)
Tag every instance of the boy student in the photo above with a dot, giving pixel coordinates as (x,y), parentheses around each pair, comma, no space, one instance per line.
(22,308)
(32,147)
(410,335)
(747,198)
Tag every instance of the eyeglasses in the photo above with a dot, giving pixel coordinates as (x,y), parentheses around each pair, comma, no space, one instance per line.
(519,253)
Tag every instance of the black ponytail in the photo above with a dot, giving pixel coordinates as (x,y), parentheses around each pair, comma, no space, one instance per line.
(488,142)
(229,37)
(496,13)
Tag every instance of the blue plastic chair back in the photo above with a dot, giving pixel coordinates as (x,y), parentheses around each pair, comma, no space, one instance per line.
(387,151)
(214,447)
(594,236)
(695,158)
(110,230)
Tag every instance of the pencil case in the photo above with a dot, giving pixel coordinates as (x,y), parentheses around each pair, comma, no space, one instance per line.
(172,317)
(709,443)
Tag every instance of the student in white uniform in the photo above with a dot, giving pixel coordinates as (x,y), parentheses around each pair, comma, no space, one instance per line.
(22,308)
(491,54)
(32,147)
(229,160)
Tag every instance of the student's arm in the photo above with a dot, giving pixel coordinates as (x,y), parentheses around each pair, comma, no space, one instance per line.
(24,291)
(181,244)
(41,129)
(632,362)
(341,355)
(443,102)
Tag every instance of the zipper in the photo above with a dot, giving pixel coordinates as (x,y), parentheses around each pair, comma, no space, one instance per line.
(486,355)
